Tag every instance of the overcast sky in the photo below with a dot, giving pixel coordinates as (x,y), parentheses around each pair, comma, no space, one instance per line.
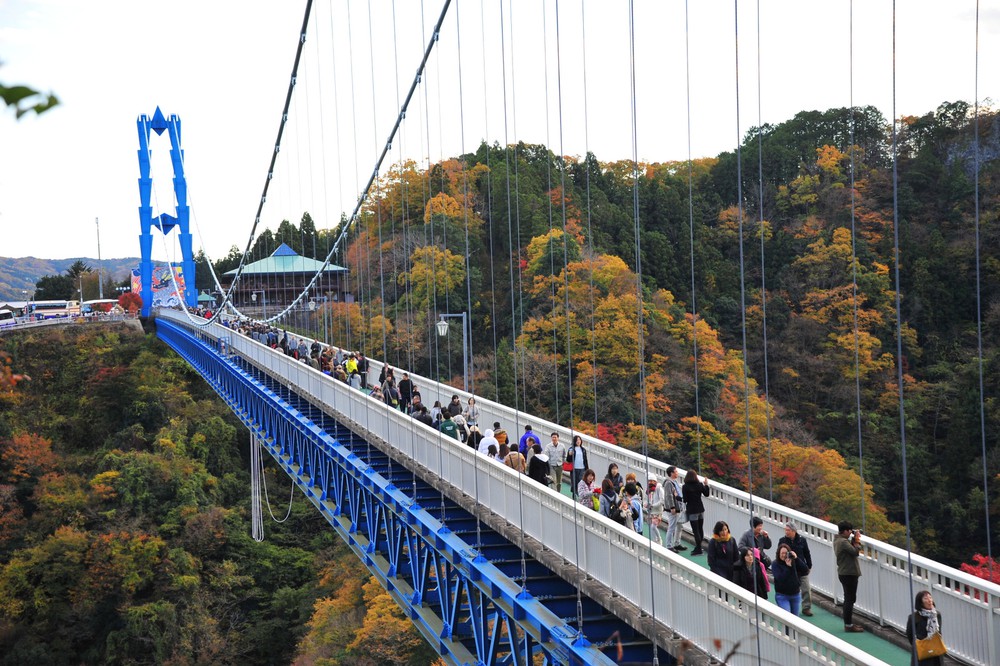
(223,67)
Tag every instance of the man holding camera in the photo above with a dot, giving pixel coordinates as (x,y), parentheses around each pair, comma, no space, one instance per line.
(847,548)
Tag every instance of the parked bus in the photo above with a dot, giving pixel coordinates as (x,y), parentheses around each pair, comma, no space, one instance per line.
(53,309)
(7,318)
(98,305)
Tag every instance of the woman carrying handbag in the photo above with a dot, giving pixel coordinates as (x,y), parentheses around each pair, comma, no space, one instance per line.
(923,629)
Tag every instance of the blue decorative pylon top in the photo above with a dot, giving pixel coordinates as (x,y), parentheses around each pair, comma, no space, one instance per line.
(159,122)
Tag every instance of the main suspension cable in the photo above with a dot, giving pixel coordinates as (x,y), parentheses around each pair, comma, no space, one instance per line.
(351,220)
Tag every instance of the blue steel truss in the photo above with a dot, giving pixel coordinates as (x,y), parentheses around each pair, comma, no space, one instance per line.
(468,604)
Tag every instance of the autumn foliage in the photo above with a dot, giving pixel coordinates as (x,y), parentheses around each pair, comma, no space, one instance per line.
(130,302)
(124,534)
(794,332)
(983,567)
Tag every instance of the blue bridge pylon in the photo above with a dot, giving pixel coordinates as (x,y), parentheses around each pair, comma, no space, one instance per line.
(164,222)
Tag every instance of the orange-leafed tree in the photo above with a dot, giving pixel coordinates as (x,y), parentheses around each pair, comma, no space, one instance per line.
(130,302)
(386,635)
(26,456)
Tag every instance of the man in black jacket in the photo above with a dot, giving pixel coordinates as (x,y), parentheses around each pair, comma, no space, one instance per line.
(405,391)
(800,546)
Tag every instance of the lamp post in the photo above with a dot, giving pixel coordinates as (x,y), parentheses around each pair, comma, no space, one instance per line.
(442,329)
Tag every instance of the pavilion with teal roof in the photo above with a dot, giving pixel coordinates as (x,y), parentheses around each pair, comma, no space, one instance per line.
(278,279)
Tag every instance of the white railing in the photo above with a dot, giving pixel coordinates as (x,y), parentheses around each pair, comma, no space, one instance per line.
(682,595)
(970,605)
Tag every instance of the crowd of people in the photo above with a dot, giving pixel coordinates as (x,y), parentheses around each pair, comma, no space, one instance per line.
(664,508)
(457,420)
(746,562)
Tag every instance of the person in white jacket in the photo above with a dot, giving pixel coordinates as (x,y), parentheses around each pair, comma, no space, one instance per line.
(653,507)
(486,441)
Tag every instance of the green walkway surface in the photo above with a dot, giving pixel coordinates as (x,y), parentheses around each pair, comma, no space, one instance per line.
(825,620)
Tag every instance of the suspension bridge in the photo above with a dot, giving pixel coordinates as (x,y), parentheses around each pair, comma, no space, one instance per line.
(490,567)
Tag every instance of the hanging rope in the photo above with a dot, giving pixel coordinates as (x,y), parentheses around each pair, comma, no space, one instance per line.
(743,302)
(854,282)
(690,165)
(401,185)
(640,319)
(258,485)
(593,343)
(357,227)
(378,195)
(256,520)
(548,184)
(342,224)
(763,281)
(899,313)
(517,312)
(468,267)
(590,230)
(517,254)
(434,286)
(979,317)
(489,202)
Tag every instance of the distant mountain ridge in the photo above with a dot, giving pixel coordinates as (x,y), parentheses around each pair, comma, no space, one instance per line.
(18,274)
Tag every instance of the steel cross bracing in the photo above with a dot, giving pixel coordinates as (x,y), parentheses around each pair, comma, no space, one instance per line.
(470,606)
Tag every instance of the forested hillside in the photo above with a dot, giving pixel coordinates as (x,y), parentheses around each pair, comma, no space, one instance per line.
(124,524)
(19,276)
(542,251)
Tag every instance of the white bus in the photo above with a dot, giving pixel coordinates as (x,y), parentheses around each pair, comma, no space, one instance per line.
(7,319)
(97,306)
(53,309)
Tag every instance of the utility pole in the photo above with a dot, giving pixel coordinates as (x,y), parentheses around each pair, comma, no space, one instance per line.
(100,267)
